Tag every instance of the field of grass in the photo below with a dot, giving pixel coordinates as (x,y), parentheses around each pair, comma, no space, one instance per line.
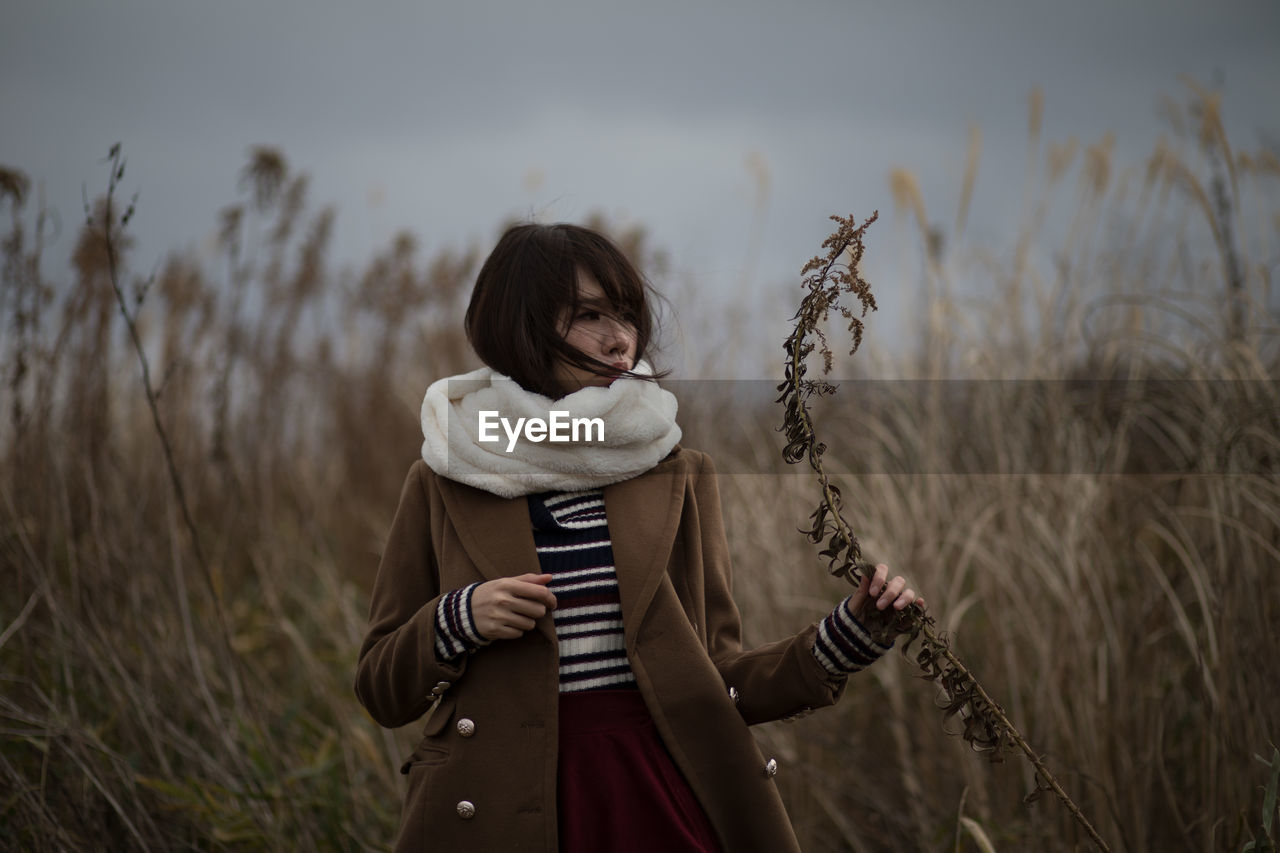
(1081,471)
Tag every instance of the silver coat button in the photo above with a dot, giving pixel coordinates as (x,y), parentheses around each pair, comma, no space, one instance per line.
(771,767)
(733,694)
(466,727)
(466,809)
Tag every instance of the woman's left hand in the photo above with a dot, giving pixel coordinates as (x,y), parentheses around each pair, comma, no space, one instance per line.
(884,591)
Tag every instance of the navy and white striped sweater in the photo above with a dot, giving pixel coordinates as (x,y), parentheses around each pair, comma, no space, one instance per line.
(571,535)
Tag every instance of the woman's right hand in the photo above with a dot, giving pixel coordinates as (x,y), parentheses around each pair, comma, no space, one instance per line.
(505,608)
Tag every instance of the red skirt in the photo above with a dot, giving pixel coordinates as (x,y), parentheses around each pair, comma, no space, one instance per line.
(618,788)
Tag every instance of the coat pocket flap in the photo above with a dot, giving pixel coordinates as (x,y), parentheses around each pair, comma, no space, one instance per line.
(438,717)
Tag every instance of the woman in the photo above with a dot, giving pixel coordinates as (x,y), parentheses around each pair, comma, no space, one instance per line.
(560,610)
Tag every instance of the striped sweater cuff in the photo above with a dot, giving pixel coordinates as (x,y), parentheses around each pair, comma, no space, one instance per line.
(843,646)
(455,630)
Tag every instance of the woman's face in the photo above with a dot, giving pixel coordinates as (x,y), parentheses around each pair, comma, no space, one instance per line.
(596,332)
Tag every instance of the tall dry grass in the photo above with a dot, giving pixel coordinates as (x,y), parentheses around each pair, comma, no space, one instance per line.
(1104,551)
(1081,471)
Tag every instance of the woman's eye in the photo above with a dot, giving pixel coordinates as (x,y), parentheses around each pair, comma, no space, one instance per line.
(589,315)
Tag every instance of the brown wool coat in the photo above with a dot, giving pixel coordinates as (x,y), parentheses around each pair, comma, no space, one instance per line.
(682,638)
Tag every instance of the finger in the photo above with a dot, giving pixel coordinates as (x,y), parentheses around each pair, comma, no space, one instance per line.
(533,592)
(877,582)
(904,599)
(493,629)
(525,607)
(504,626)
(532,587)
(518,622)
(500,632)
(890,592)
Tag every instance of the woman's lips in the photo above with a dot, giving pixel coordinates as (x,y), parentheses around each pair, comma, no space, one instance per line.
(615,370)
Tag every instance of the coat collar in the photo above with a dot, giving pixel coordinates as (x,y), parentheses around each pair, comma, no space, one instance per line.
(644,514)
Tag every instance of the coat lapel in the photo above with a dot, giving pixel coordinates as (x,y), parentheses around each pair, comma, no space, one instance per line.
(496,533)
(644,514)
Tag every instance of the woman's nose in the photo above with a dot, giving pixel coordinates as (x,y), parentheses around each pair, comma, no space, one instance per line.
(617,336)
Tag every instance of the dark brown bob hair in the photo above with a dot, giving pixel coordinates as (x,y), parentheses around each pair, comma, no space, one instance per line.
(529,284)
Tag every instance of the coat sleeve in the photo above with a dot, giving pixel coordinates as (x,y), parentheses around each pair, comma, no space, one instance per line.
(772,681)
(397,669)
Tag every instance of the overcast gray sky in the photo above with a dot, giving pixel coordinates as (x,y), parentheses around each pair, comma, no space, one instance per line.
(447,119)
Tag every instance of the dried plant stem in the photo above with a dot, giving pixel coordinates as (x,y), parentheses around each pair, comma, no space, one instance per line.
(110,236)
(1044,773)
(829,496)
(987,728)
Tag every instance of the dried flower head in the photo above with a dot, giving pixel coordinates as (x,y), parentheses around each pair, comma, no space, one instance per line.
(265,175)
(14,184)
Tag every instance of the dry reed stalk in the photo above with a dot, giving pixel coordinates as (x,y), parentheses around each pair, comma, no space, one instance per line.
(987,728)
(111,231)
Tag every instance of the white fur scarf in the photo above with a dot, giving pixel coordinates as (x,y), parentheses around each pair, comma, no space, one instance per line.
(639,430)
